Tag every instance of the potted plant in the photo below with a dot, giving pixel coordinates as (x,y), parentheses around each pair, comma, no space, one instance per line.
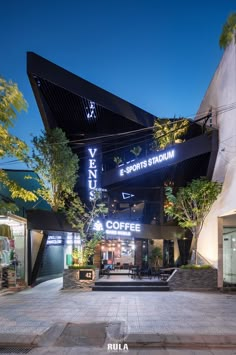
(82,271)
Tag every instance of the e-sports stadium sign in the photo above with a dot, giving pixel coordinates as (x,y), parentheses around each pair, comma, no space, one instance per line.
(119,228)
(147,163)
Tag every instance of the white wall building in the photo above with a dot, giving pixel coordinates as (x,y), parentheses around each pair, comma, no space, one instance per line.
(217,241)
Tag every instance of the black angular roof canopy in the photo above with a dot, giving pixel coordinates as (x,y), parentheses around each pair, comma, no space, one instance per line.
(77,106)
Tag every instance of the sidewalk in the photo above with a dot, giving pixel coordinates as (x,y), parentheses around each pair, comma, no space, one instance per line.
(170,321)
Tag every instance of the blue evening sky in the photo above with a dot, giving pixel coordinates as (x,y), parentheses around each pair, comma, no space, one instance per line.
(157,54)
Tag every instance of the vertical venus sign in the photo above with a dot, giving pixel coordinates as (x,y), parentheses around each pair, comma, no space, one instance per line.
(93,171)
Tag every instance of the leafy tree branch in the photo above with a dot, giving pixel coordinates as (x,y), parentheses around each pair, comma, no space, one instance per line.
(11,103)
(191,204)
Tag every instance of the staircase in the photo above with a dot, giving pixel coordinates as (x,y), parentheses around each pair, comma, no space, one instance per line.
(132,285)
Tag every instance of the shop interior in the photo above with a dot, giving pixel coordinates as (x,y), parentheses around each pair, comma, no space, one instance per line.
(117,254)
(12,251)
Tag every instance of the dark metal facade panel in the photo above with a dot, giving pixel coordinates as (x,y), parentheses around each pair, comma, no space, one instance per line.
(47,220)
(195,147)
(40,69)
(72,113)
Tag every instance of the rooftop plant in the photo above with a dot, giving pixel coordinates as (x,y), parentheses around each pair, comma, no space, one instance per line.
(169,132)
(228,32)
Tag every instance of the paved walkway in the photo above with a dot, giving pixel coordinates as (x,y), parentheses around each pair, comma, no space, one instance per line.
(172,317)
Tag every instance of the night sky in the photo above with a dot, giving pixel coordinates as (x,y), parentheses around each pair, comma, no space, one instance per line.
(159,55)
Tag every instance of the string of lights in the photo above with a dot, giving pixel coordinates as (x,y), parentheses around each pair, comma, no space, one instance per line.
(198,118)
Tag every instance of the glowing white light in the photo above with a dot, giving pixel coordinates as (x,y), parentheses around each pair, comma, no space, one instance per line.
(91,110)
(54,239)
(98,226)
(92,172)
(117,227)
(144,164)
(126,195)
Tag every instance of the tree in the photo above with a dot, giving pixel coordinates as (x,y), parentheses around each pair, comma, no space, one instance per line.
(56,166)
(228,32)
(11,103)
(168,132)
(191,204)
(82,218)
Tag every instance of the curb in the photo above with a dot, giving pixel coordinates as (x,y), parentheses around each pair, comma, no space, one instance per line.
(181,341)
(134,341)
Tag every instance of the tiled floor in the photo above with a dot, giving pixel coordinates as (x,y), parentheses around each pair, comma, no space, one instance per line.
(34,310)
(30,313)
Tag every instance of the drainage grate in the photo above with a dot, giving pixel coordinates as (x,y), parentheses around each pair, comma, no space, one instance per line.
(15,349)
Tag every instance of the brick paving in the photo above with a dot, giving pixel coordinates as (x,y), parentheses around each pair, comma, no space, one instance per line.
(26,315)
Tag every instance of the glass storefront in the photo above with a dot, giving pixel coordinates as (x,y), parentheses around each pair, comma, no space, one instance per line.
(12,251)
(229,256)
(118,253)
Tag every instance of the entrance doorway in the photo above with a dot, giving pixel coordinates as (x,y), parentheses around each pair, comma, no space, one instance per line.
(229,256)
(118,254)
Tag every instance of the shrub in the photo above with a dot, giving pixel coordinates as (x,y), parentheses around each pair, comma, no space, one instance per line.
(77,267)
(196,267)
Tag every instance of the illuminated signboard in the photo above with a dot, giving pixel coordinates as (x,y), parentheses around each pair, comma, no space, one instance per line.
(54,240)
(126,195)
(117,227)
(91,110)
(92,172)
(86,274)
(73,239)
(146,163)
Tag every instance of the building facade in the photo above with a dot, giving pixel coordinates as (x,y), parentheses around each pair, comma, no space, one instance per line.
(114,141)
(217,241)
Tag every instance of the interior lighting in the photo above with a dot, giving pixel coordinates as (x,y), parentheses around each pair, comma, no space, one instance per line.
(10,222)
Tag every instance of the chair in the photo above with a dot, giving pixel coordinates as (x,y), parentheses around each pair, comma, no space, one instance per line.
(155,272)
(117,266)
(136,272)
(146,272)
(106,271)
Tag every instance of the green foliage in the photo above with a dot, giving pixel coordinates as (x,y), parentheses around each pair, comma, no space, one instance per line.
(81,267)
(7,207)
(56,166)
(196,267)
(228,32)
(12,102)
(168,132)
(117,160)
(191,204)
(136,150)
(82,218)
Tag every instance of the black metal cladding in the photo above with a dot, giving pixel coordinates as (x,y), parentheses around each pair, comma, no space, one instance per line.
(64,101)
(73,114)
(67,97)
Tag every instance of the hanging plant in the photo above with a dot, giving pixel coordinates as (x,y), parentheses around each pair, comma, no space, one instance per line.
(117,160)
(136,150)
